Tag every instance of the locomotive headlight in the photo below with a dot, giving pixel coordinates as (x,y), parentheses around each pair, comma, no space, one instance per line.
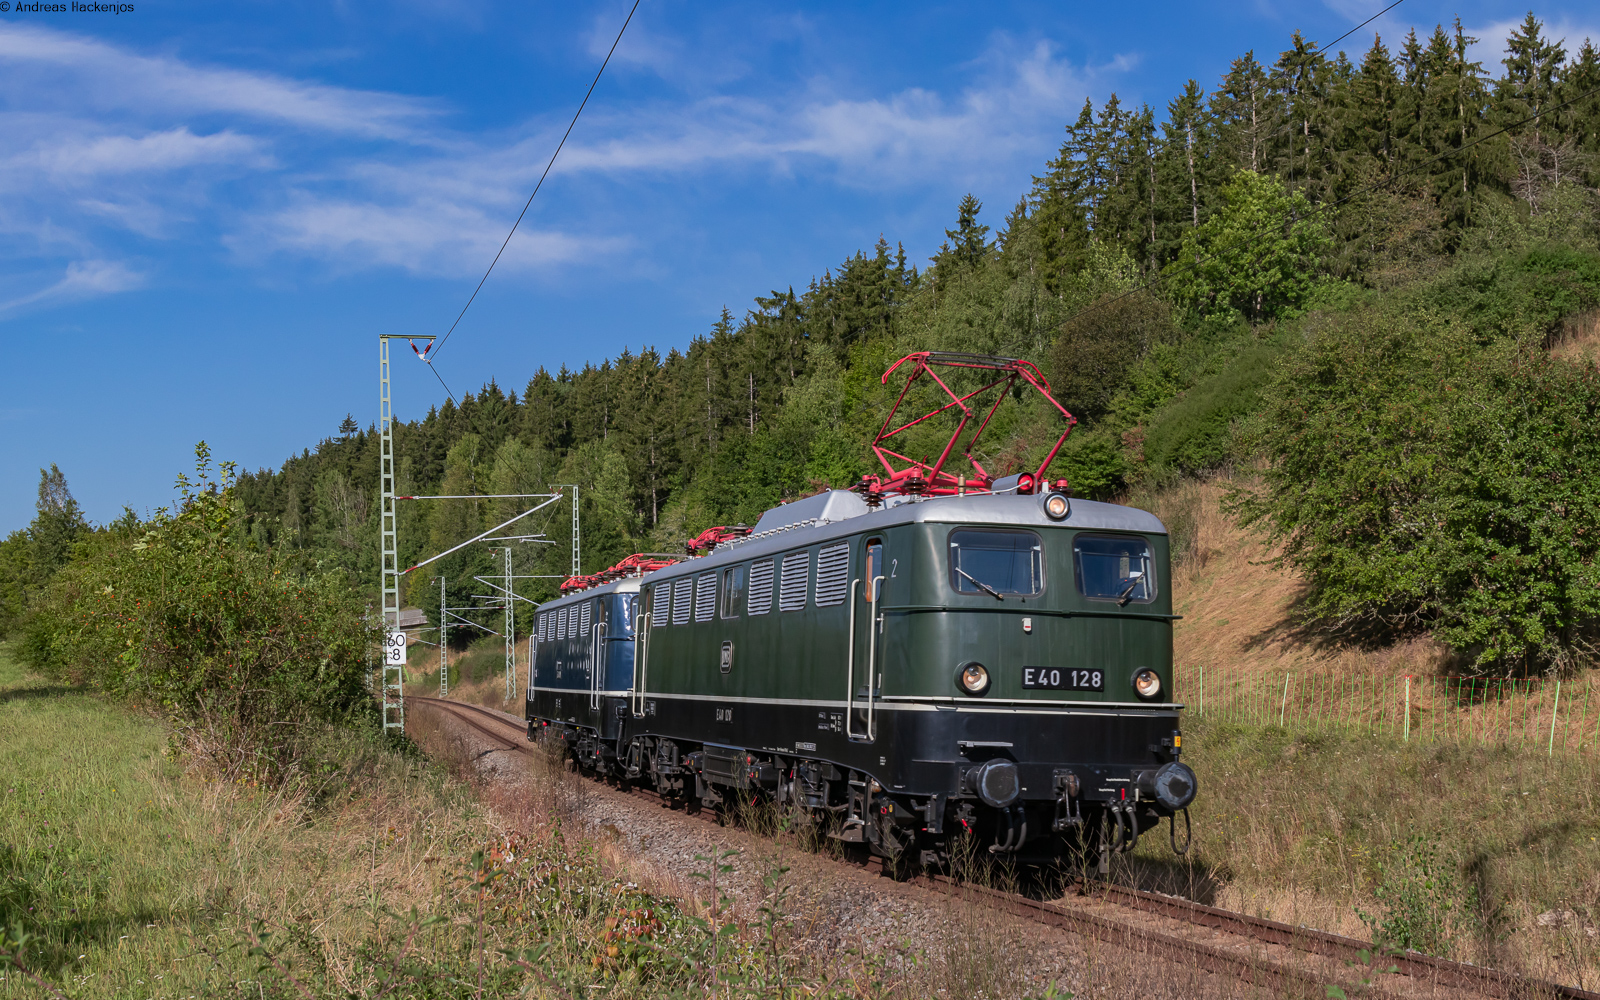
(1056,506)
(973,678)
(1147,684)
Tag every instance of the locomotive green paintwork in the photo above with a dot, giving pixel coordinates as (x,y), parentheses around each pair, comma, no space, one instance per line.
(928,630)
(778,701)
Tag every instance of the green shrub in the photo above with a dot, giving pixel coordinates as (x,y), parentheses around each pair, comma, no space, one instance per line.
(1426,907)
(1525,294)
(1090,360)
(1196,431)
(1421,480)
(178,613)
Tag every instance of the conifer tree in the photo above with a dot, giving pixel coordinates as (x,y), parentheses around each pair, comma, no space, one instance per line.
(1244,113)
(1533,65)
(969,241)
(1301,77)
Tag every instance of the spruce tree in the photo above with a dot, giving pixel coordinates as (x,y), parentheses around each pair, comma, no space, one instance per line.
(1533,65)
(969,241)
(1245,113)
(57,524)
(1299,145)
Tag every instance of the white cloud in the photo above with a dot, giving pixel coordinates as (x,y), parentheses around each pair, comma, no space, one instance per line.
(79,71)
(874,141)
(154,151)
(83,279)
(269,166)
(424,236)
(447,214)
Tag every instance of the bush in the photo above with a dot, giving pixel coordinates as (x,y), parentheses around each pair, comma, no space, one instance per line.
(179,613)
(1426,907)
(1195,432)
(1090,360)
(1525,294)
(1420,480)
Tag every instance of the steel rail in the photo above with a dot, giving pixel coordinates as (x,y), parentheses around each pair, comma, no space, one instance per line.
(1253,968)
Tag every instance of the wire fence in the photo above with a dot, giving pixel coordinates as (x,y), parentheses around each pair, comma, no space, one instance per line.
(1546,713)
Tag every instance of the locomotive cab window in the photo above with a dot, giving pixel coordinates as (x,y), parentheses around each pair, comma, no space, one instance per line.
(996,562)
(1114,568)
(874,570)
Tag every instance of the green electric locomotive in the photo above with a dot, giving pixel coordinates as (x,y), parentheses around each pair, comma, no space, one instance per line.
(995,664)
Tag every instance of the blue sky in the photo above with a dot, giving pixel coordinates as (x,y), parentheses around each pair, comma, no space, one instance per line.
(209,211)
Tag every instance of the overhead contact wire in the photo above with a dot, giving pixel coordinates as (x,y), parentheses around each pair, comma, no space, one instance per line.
(526,205)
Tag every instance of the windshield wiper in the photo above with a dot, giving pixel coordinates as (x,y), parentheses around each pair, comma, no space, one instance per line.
(979,583)
(1124,597)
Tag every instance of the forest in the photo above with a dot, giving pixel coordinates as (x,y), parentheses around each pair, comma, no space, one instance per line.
(1342,278)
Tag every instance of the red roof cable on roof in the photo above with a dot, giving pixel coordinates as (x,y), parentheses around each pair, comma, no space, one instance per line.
(703,543)
(637,564)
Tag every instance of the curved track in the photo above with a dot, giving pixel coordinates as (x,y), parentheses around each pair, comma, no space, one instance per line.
(1277,956)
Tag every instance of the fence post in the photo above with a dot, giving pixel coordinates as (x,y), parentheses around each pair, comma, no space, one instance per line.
(1283,706)
(1554,708)
(1407,727)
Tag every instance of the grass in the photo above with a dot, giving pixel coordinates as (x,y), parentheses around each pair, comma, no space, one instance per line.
(130,876)
(131,873)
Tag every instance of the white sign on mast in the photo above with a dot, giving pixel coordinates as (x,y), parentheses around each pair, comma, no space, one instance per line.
(394,649)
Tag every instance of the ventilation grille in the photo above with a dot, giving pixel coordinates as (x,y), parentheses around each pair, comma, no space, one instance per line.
(661,610)
(833,574)
(705,597)
(760,600)
(681,591)
(561,625)
(584,630)
(792,589)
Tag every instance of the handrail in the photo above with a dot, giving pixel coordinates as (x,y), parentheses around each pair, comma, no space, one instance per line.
(874,623)
(595,666)
(641,662)
(850,668)
(872,661)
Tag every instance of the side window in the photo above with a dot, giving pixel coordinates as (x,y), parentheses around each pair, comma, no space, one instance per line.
(622,616)
(760,601)
(833,574)
(682,593)
(1114,568)
(705,597)
(873,588)
(792,586)
(732,590)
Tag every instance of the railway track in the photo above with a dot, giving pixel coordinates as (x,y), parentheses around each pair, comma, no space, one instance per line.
(1282,958)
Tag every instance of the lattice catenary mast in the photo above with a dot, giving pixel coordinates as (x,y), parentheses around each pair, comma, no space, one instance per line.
(394,674)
